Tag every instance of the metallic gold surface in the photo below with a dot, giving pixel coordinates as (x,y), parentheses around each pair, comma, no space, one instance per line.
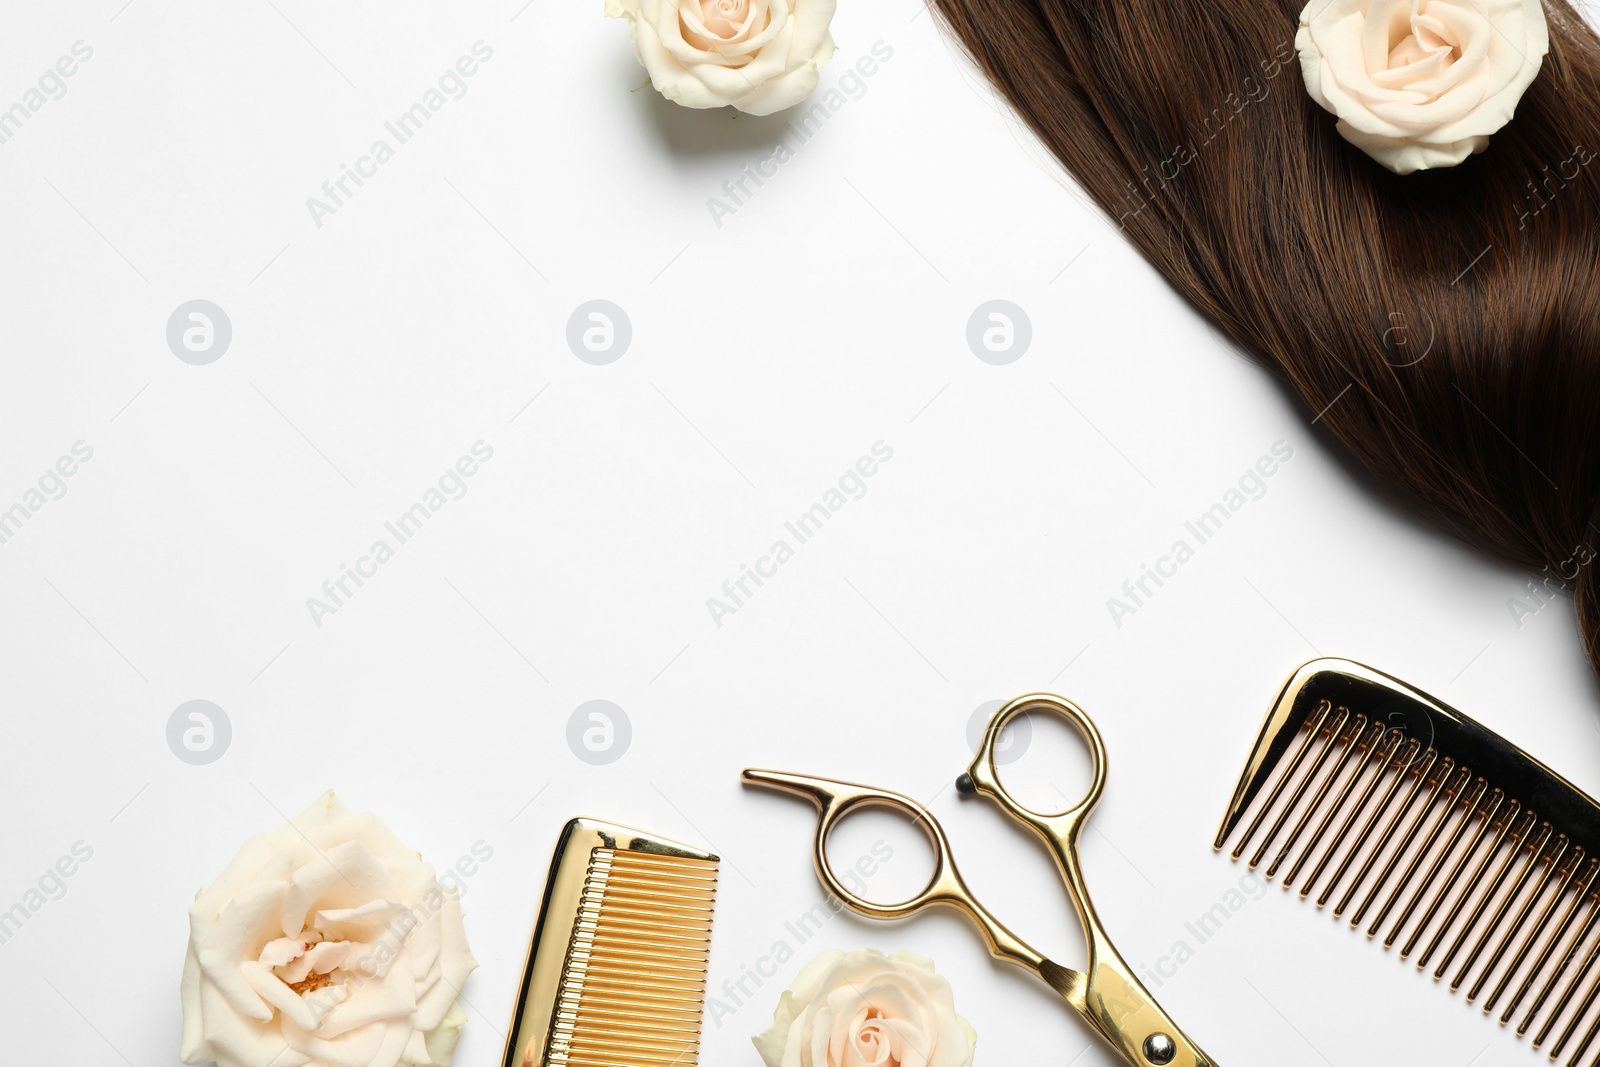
(616,972)
(1341,804)
(1467,845)
(1105,994)
(1485,817)
(1357,730)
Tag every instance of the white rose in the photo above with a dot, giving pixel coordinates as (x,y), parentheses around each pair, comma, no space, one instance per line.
(760,56)
(1421,83)
(326,943)
(865,1009)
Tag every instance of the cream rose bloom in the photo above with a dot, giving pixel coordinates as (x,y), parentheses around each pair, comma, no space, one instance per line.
(759,56)
(326,943)
(1421,83)
(865,1009)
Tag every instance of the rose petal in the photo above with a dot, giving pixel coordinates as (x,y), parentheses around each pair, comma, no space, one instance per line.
(698,56)
(272,990)
(394,996)
(862,1009)
(281,951)
(234,937)
(347,878)
(1420,83)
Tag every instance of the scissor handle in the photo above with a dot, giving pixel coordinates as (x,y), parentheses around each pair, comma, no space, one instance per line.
(837,800)
(1060,830)
(983,776)
(1115,1003)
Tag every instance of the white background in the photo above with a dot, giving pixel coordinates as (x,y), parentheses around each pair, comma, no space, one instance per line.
(768,353)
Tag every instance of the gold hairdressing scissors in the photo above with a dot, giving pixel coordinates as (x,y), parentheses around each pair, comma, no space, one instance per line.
(1106,993)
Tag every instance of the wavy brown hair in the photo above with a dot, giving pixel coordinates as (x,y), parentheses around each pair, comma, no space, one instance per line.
(1445,324)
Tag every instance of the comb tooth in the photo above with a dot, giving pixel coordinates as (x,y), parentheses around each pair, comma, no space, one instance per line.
(1583,1009)
(668,926)
(1567,957)
(629,916)
(1421,823)
(1566,996)
(1539,927)
(625,1015)
(1553,865)
(676,956)
(666,959)
(631,1049)
(608,995)
(1334,731)
(658,884)
(1358,727)
(1588,1038)
(1450,788)
(1367,746)
(1489,808)
(1400,763)
(1469,807)
(1358,774)
(589,1038)
(1316,723)
(1535,853)
(1518,840)
(1506,824)
(1422,768)
(633,985)
(1383,752)
(668,930)
(1414,823)
(635,873)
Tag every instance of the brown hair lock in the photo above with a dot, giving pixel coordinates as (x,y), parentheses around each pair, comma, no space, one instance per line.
(1446,324)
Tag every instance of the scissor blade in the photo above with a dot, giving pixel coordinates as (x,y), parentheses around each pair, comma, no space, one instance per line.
(1071,984)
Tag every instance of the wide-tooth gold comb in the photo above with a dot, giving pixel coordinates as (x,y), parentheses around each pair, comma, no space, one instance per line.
(1464,849)
(616,973)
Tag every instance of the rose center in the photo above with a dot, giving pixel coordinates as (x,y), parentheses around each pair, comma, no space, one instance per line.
(1421,37)
(311,983)
(724,18)
(875,1042)
(303,963)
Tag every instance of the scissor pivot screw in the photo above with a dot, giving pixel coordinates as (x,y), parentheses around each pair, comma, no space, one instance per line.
(964,785)
(1159,1048)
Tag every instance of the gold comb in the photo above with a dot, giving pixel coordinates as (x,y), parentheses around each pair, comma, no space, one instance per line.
(616,973)
(1446,838)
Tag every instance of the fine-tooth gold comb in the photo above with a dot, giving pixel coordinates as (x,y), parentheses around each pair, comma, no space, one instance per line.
(616,974)
(1446,838)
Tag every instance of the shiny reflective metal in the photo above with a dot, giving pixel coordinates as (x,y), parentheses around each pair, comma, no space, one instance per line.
(1159,1048)
(616,973)
(1484,852)
(1106,994)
